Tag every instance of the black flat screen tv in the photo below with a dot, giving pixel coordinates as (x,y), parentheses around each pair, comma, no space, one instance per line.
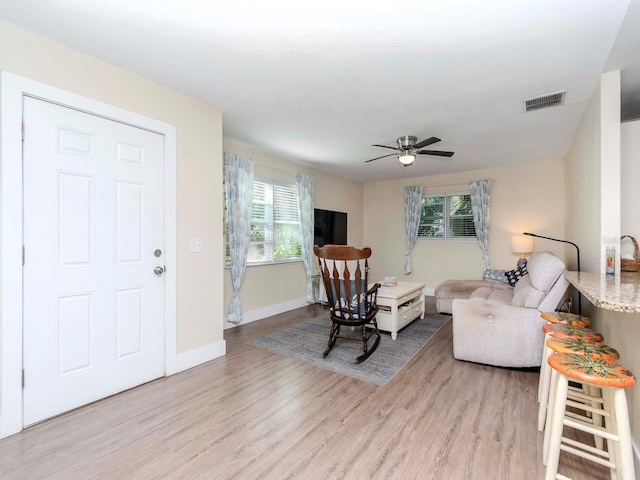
(330,228)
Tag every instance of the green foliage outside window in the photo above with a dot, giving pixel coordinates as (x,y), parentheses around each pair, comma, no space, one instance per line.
(275,233)
(446,216)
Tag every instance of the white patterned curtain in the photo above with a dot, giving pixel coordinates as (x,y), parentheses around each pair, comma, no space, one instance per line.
(306,186)
(239,180)
(412,207)
(480,192)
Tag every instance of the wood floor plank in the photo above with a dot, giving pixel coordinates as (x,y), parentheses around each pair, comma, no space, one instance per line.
(254,414)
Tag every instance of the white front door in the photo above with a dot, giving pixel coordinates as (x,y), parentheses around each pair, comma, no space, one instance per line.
(93,235)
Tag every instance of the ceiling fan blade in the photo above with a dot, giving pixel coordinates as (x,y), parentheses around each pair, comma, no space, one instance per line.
(384,146)
(378,158)
(439,153)
(427,142)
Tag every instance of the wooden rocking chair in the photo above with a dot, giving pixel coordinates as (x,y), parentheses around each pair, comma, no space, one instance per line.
(344,272)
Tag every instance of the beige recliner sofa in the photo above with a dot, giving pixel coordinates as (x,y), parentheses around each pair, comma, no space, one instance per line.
(502,326)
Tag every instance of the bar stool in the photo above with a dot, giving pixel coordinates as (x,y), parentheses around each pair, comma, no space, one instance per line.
(585,395)
(562,318)
(570,319)
(558,331)
(612,405)
(585,344)
(580,346)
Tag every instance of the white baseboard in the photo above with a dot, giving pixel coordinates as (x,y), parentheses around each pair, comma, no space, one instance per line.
(193,358)
(429,291)
(260,313)
(10,426)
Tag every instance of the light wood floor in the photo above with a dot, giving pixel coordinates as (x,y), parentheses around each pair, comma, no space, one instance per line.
(257,415)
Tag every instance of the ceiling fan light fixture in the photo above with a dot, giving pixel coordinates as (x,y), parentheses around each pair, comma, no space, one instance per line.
(406,158)
(407,149)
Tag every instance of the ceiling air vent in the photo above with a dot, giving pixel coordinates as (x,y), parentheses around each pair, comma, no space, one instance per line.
(550,100)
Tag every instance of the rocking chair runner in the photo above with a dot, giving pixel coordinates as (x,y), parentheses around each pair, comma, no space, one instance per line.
(344,272)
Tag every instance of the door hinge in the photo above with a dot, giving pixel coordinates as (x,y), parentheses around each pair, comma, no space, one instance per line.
(23,378)
(22,130)
(23,255)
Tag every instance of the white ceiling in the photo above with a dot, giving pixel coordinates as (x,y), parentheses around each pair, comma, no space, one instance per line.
(319,82)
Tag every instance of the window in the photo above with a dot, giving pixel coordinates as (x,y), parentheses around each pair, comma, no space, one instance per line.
(275,234)
(446,216)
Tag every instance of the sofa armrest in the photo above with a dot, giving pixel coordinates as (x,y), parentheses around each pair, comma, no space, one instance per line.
(497,334)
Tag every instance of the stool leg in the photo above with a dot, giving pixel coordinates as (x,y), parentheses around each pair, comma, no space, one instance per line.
(543,388)
(543,365)
(598,420)
(616,402)
(611,426)
(556,415)
(553,382)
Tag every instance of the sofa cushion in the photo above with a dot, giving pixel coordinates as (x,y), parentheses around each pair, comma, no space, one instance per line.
(481,294)
(544,269)
(493,295)
(458,288)
(514,275)
(526,295)
(449,290)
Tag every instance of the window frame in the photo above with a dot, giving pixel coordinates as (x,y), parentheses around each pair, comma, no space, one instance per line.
(446,216)
(269,223)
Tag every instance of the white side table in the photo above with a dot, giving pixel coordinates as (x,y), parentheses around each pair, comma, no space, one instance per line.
(399,306)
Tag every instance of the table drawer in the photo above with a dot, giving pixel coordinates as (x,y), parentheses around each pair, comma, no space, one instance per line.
(403,315)
(410,313)
(417,295)
(405,298)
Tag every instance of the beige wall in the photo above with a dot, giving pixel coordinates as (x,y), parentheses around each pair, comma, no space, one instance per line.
(523,198)
(630,193)
(270,289)
(623,330)
(592,173)
(587,189)
(610,197)
(199,164)
(582,187)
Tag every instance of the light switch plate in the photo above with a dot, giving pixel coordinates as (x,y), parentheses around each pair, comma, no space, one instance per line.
(195,245)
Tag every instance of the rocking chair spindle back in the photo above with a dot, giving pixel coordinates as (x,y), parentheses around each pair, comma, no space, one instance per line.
(351,302)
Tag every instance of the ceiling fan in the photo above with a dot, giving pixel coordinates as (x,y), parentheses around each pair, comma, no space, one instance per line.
(408,147)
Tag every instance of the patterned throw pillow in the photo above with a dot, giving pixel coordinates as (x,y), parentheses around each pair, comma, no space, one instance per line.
(514,275)
(493,274)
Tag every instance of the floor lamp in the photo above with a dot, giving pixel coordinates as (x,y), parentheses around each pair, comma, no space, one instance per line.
(578,258)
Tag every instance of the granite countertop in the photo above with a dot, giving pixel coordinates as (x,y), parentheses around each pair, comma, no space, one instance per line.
(620,293)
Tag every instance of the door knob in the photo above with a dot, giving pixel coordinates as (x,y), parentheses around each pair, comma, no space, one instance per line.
(158,270)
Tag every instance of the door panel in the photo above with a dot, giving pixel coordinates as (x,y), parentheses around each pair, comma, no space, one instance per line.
(74,224)
(129,222)
(93,216)
(73,331)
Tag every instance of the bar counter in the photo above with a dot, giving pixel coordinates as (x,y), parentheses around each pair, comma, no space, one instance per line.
(619,293)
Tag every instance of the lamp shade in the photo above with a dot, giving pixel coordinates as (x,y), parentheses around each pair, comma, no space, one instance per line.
(521,244)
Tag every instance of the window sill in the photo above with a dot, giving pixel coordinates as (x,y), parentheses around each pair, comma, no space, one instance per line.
(436,239)
(267,264)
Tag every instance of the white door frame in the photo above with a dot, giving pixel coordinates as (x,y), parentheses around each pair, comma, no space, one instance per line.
(12,90)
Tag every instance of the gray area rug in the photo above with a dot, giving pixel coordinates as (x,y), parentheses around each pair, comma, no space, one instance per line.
(307,341)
